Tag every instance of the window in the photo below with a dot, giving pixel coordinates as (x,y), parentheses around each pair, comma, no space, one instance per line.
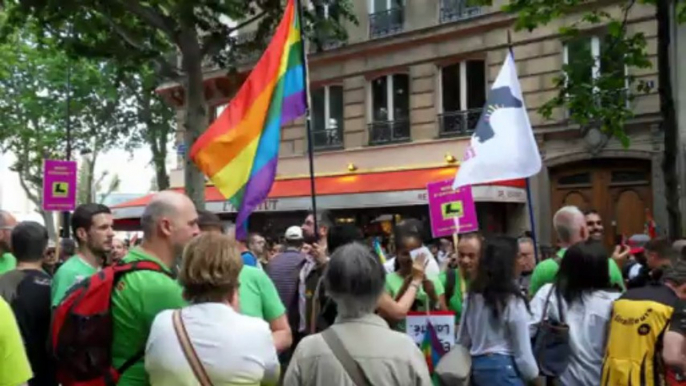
(327,117)
(386,17)
(454,10)
(585,64)
(575,179)
(329,13)
(390,109)
(463,96)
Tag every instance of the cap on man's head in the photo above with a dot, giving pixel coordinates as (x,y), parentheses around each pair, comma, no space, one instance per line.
(294,233)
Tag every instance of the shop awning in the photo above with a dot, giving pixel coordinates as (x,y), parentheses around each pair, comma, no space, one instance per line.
(360,190)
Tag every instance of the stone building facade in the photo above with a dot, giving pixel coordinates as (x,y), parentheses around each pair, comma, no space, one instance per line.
(407,87)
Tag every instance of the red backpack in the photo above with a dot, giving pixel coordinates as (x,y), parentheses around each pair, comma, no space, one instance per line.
(82,329)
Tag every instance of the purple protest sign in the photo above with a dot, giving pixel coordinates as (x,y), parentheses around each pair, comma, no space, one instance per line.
(450,209)
(59,185)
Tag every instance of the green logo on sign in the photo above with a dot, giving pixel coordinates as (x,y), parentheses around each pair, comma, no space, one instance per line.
(60,189)
(452,209)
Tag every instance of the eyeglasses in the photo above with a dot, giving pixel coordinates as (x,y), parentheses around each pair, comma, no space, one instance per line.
(6,228)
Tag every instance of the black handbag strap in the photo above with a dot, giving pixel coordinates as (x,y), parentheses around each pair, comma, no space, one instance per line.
(560,311)
(352,368)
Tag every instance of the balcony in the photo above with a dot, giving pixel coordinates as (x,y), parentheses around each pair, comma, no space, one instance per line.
(386,132)
(328,139)
(458,123)
(385,23)
(455,10)
(324,41)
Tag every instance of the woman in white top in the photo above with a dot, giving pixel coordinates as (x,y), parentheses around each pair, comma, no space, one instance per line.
(232,349)
(583,283)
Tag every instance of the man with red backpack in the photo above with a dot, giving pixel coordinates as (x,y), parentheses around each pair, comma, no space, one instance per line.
(101,328)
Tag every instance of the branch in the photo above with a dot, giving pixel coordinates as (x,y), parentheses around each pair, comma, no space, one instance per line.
(128,38)
(151,17)
(213,42)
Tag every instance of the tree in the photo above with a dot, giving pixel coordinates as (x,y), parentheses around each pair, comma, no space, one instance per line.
(137,33)
(601,101)
(33,105)
(155,121)
(91,189)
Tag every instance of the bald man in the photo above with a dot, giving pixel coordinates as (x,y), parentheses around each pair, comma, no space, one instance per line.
(169,222)
(7,260)
(570,226)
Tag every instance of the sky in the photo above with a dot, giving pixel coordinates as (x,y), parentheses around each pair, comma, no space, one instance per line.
(134,171)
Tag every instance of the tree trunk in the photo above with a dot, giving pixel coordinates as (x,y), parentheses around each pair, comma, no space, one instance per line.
(669,124)
(161,175)
(49,221)
(195,113)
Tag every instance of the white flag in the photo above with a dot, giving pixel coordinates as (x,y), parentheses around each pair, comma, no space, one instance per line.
(503,146)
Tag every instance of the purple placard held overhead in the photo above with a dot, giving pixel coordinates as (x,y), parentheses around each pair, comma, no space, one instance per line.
(450,209)
(59,185)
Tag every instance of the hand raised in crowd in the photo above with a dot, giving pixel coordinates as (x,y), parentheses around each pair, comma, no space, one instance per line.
(419,267)
(318,251)
(621,255)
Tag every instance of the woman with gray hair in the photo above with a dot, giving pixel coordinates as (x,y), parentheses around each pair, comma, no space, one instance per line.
(359,349)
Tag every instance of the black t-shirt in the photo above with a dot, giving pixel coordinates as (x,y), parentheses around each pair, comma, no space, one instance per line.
(28,293)
(678,323)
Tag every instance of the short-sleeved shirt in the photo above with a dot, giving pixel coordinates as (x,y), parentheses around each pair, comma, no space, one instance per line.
(249,259)
(7,262)
(258,296)
(14,365)
(136,301)
(28,293)
(455,302)
(234,349)
(546,271)
(394,282)
(678,323)
(71,272)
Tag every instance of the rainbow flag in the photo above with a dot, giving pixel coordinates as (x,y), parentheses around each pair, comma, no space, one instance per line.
(239,151)
(431,348)
(379,251)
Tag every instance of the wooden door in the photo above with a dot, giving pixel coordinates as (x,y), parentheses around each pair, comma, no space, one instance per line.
(618,189)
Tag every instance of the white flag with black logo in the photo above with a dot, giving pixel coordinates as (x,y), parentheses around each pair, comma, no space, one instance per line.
(503,146)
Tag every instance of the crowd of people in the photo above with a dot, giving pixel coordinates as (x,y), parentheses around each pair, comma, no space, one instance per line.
(322,308)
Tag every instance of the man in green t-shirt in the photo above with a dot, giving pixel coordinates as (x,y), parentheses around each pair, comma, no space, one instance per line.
(7,260)
(455,280)
(570,226)
(169,222)
(257,294)
(92,228)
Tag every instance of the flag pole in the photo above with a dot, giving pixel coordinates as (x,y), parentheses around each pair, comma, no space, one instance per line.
(529,203)
(308,121)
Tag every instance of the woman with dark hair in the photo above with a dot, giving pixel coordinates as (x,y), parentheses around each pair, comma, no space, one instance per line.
(495,320)
(410,278)
(586,294)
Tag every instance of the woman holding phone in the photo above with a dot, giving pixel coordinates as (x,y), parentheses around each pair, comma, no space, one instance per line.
(408,288)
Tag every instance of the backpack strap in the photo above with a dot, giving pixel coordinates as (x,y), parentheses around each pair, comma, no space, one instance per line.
(189,350)
(351,367)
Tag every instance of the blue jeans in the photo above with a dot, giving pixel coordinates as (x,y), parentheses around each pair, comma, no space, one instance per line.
(495,370)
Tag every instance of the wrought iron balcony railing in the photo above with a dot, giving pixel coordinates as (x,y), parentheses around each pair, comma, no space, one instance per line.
(328,139)
(454,10)
(458,123)
(387,22)
(384,132)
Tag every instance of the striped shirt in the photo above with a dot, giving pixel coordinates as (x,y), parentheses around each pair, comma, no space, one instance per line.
(284,270)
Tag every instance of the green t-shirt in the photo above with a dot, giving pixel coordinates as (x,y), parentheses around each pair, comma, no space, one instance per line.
(7,262)
(455,302)
(258,296)
(546,271)
(394,283)
(71,272)
(136,300)
(15,368)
